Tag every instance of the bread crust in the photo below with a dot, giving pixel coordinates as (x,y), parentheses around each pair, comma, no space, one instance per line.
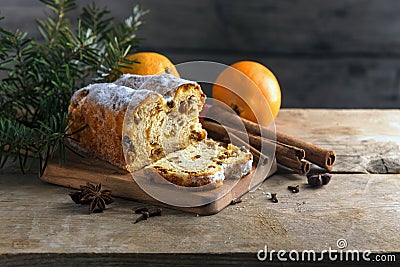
(100,108)
(164,84)
(163,117)
(191,179)
(152,127)
(204,163)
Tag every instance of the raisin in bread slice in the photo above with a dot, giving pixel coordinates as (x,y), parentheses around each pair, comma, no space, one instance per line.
(102,107)
(185,100)
(201,164)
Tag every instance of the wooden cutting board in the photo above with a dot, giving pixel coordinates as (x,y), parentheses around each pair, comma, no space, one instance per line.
(79,170)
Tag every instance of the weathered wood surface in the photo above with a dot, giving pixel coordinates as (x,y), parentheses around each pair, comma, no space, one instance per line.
(364,141)
(38,218)
(363,208)
(77,171)
(325,53)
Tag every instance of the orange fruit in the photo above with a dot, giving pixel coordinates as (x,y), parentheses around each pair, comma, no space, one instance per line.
(150,63)
(251,90)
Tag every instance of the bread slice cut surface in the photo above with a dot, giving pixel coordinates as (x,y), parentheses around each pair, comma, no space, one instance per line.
(204,163)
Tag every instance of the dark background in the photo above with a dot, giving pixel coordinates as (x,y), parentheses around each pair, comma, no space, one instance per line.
(326,54)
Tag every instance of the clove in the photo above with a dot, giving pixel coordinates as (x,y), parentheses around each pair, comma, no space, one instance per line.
(326,178)
(141,210)
(294,189)
(319,179)
(273,198)
(145,215)
(156,212)
(236,201)
(315,180)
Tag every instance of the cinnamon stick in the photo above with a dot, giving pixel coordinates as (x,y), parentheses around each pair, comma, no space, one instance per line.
(300,166)
(322,157)
(286,155)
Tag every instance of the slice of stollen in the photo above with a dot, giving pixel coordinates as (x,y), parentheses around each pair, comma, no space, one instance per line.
(202,164)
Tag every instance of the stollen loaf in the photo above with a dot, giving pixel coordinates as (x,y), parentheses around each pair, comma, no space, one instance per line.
(158,124)
(152,123)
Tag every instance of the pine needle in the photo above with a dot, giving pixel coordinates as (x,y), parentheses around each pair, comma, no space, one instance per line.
(42,76)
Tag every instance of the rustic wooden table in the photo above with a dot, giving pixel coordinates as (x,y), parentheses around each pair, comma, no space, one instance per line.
(39,224)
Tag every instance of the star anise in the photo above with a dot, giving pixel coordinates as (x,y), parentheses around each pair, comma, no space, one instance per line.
(76,197)
(92,195)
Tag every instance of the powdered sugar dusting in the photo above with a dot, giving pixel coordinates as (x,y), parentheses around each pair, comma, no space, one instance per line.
(164,84)
(112,96)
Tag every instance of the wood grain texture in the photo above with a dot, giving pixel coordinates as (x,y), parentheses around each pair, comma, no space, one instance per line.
(41,218)
(39,223)
(326,54)
(78,171)
(364,141)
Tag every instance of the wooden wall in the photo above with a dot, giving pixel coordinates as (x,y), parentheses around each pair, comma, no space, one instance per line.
(342,54)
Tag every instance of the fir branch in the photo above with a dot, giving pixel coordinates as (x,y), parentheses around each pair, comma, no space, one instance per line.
(114,60)
(126,32)
(51,27)
(98,20)
(41,77)
(20,140)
